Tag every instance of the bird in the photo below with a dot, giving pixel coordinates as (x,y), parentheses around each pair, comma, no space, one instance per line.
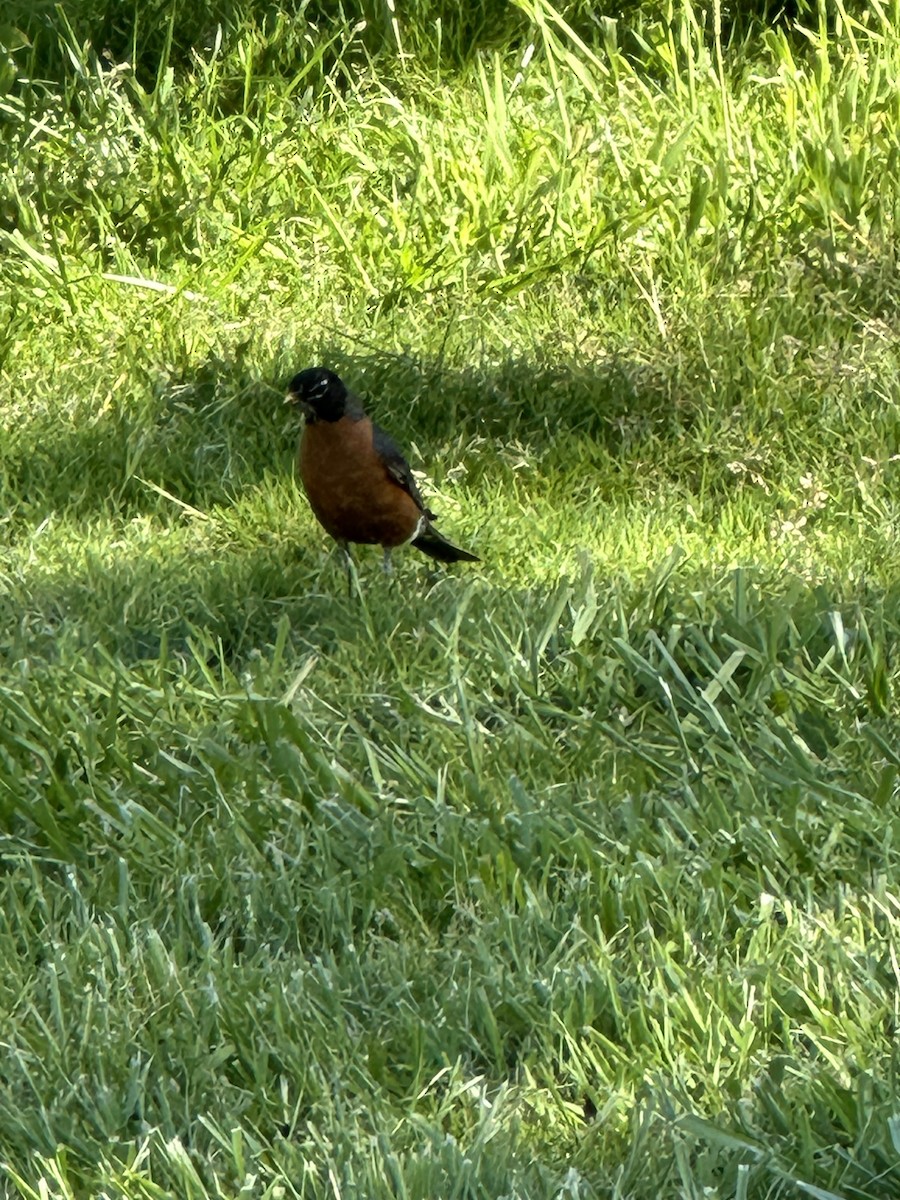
(359,485)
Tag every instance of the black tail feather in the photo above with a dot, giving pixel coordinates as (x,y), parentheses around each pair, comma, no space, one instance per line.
(435,545)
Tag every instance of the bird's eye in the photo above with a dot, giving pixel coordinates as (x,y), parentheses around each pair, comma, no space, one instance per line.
(318,389)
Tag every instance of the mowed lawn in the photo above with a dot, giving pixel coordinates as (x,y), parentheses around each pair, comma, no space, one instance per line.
(571,874)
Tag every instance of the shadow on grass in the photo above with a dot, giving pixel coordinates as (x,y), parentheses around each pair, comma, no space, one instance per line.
(217,434)
(139,607)
(203,439)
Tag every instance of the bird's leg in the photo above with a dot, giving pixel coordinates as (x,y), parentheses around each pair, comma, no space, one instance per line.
(386,565)
(348,564)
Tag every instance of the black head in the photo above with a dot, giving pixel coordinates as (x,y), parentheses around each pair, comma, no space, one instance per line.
(319,394)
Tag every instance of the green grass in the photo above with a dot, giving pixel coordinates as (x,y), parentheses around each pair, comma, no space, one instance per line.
(570,875)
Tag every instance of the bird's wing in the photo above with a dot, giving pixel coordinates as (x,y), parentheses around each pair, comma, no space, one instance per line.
(397,467)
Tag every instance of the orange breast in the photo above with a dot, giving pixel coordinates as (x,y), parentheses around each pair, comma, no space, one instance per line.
(349,488)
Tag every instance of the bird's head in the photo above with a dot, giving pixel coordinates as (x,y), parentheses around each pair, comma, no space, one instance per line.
(319,394)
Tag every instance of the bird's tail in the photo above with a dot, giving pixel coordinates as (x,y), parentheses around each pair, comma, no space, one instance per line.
(435,545)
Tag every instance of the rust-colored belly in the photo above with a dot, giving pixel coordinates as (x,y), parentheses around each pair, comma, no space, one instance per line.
(349,488)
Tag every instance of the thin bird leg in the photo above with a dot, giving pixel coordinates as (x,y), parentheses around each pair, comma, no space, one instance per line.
(348,564)
(386,564)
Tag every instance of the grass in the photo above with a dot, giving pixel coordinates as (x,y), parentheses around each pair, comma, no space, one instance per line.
(570,875)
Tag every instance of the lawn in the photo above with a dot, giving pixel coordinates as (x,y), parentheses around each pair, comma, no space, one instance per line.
(570,874)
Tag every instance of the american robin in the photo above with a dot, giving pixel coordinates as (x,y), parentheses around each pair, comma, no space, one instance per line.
(358,483)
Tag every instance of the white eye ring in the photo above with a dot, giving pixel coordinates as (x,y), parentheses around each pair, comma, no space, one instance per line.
(318,389)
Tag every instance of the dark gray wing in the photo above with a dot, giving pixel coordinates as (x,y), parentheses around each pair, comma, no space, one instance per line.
(397,466)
